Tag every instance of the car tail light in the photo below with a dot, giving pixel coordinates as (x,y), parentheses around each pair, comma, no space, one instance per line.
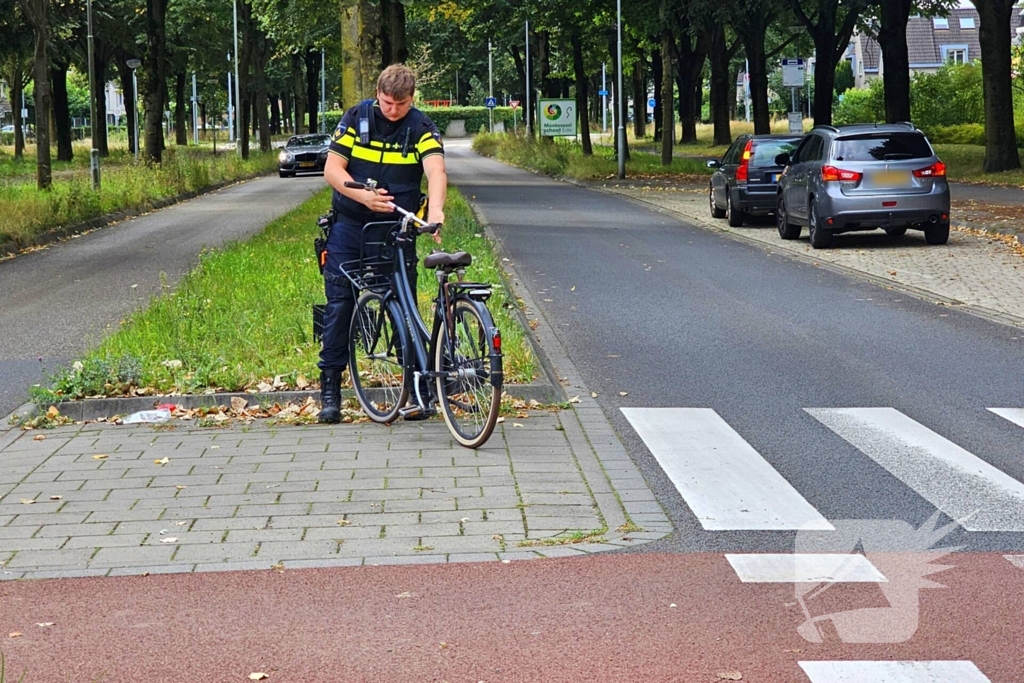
(831,174)
(742,171)
(936,170)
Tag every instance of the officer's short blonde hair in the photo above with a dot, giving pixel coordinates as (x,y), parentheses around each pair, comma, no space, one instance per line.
(397,81)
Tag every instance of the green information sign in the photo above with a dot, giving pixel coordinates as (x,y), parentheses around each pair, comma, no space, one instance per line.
(557,117)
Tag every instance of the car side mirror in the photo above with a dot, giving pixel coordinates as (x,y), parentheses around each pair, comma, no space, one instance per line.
(783,159)
(714,163)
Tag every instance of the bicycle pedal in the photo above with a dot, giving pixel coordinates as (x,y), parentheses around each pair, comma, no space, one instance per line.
(414,413)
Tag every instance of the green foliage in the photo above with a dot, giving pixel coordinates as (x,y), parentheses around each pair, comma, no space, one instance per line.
(861,106)
(844,77)
(962,134)
(951,96)
(244,315)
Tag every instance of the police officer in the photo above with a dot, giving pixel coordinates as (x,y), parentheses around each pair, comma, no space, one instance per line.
(392,142)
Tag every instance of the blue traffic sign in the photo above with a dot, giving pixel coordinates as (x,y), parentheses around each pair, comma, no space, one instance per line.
(491,102)
(602,93)
(651,103)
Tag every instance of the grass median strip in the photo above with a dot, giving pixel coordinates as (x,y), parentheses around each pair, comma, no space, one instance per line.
(27,211)
(242,321)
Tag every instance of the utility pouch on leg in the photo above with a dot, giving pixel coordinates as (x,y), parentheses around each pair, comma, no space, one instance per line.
(320,243)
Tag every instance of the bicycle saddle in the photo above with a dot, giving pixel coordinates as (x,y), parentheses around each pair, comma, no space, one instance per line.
(440,259)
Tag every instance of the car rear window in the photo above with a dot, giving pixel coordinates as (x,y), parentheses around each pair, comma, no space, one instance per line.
(881,147)
(765,151)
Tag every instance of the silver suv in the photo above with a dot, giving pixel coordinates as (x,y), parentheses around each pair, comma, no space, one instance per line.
(863,177)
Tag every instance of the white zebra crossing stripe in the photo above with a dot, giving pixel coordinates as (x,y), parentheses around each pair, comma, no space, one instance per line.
(804,568)
(962,485)
(1015,415)
(893,672)
(726,483)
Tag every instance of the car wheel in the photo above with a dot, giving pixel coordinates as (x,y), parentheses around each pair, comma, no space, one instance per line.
(732,214)
(715,211)
(787,230)
(939,234)
(895,232)
(820,237)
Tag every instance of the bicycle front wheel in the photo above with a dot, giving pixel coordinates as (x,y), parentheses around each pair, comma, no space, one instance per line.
(376,343)
(468,360)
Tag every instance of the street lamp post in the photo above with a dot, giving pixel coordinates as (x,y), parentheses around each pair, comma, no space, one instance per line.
(527,112)
(323,93)
(94,154)
(231,106)
(238,99)
(619,99)
(490,85)
(134,64)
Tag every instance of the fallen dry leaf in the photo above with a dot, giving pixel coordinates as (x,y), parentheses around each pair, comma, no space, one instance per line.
(180,487)
(343,522)
(623,393)
(258,676)
(500,420)
(161,461)
(27,501)
(238,403)
(301,382)
(101,456)
(593,394)
(278,567)
(730,676)
(52,413)
(181,523)
(170,539)
(44,624)
(406,594)
(39,437)
(14,634)
(516,424)
(56,497)
(573,288)
(574,399)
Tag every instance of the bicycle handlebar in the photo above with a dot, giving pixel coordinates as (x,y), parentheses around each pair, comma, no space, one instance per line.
(407,216)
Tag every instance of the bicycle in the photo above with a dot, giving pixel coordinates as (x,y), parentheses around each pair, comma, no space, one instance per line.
(392,355)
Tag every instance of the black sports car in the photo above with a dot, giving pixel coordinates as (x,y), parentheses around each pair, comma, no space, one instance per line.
(302,154)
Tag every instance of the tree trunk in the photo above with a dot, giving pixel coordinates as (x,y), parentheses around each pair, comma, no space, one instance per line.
(996,66)
(180,125)
(261,56)
(313,88)
(690,55)
(99,126)
(831,39)
(639,99)
(719,52)
(399,48)
(18,102)
(275,115)
(384,21)
(61,110)
(244,103)
(619,100)
(297,93)
(155,77)
(582,92)
(657,73)
(753,45)
(892,39)
(668,126)
(36,14)
(543,47)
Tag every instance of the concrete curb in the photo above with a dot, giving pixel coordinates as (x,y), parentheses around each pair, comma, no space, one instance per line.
(61,233)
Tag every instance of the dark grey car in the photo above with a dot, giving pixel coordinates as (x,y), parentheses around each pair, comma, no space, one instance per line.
(303,153)
(863,177)
(744,181)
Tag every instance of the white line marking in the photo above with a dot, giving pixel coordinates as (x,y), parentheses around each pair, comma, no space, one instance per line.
(804,568)
(1014,415)
(893,672)
(726,483)
(1016,560)
(955,481)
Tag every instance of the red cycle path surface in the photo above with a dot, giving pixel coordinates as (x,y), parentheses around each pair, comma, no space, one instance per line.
(600,618)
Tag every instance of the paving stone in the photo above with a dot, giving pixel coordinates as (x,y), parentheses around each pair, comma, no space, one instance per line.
(322,563)
(417,530)
(108,541)
(50,559)
(65,530)
(216,552)
(52,518)
(298,550)
(264,535)
(183,537)
(273,510)
(341,533)
(376,547)
(150,569)
(422,505)
(229,523)
(66,573)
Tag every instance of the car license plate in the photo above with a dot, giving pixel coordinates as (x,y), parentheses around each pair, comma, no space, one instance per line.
(307,164)
(892,179)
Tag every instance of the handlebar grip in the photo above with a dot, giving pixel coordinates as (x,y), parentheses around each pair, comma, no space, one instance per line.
(354,185)
(430,228)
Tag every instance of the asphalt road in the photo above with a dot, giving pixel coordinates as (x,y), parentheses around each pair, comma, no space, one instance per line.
(682,317)
(55,302)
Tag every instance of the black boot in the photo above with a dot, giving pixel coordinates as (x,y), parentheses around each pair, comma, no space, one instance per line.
(330,396)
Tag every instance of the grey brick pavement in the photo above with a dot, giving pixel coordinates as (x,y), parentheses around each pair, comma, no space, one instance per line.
(259,496)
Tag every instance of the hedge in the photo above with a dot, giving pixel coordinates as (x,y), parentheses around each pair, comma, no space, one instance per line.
(473,116)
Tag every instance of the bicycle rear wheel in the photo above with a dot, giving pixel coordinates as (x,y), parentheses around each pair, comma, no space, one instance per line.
(468,358)
(376,340)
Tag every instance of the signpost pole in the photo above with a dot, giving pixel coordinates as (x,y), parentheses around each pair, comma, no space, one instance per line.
(94,154)
(604,102)
(619,99)
(490,85)
(527,111)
